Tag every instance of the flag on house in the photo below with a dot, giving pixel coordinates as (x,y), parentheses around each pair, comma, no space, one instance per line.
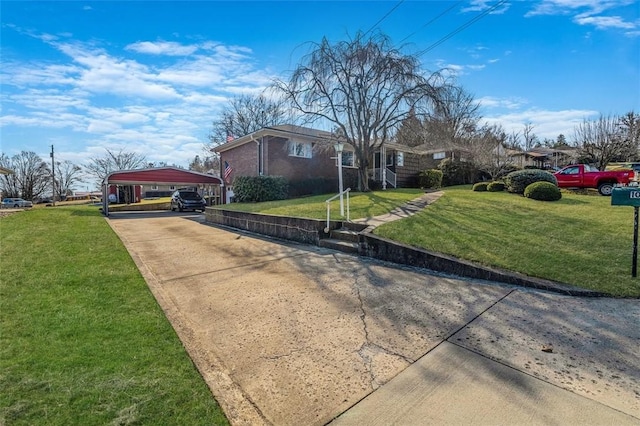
(230,137)
(227,171)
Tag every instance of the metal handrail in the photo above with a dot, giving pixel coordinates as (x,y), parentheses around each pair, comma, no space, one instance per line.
(346,191)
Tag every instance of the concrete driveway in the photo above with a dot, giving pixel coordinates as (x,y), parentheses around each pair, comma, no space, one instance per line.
(290,334)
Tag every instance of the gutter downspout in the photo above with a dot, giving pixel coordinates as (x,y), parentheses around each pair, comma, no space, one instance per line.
(260,164)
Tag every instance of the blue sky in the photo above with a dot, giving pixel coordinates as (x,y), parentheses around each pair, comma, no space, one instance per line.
(150,77)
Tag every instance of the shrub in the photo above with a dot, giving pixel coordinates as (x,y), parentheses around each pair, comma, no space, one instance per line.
(495,187)
(259,188)
(431,178)
(517,181)
(543,191)
(480,186)
(458,172)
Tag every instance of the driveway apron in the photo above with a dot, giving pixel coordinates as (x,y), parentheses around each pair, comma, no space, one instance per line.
(290,334)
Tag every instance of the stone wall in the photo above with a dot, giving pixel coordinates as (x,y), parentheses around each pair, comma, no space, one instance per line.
(301,230)
(310,231)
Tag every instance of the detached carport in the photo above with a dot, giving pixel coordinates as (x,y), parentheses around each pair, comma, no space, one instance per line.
(157,176)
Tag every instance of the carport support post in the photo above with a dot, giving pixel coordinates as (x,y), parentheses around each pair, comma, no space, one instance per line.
(634,265)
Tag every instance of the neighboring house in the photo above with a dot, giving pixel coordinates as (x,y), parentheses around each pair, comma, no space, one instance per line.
(545,158)
(299,154)
(402,163)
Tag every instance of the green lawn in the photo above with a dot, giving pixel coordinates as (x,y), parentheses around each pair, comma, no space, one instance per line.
(580,240)
(367,204)
(83,341)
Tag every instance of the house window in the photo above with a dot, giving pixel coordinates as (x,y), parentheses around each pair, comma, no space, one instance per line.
(389,159)
(300,149)
(154,187)
(348,159)
(400,159)
(172,187)
(439,155)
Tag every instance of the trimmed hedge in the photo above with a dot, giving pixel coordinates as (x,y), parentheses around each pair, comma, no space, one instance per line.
(259,188)
(517,181)
(430,179)
(543,191)
(480,186)
(495,187)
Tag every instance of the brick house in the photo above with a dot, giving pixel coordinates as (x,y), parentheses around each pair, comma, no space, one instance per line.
(299,154)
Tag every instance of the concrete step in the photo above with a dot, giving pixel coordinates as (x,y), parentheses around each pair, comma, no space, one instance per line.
(343,246)
(345,235)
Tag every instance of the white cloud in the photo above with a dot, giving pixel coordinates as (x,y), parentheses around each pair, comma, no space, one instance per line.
(588,12)
(101,126)
(169,48)
(97,98)
(546,124)
(493,102)
(484,5)
(604,22)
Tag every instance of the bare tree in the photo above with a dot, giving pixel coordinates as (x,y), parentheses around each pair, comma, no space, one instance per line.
(629,135)
(100,167)
(599,140)
(530,138)
(8,183)
(246,114)
(67,175)
(487,150)
(31,176)
(209,165)
(364,87)
(513,141)
(454,119)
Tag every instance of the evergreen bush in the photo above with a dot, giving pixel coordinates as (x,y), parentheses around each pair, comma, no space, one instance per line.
(517,181)
(456,172)
(495,187)
(430,179)
(480,186)
(259,188)
(543,191)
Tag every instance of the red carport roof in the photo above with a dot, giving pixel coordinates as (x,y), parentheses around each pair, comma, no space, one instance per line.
(160,176)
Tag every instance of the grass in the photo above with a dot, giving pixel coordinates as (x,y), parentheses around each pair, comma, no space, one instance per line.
(362,204)
(83,340)
(580,240)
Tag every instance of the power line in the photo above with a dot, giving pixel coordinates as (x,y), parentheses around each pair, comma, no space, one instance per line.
(431,21)
(461,28)
(384,17)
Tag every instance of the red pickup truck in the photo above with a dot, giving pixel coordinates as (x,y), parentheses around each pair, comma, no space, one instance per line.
(586,176)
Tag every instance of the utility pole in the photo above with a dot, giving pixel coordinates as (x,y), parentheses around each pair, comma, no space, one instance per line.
(53,178)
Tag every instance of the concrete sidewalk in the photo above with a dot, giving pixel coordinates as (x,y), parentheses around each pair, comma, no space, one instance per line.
(452,385)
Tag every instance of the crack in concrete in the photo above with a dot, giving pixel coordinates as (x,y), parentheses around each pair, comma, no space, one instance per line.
(275,357)
(396,354)
(367,361)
